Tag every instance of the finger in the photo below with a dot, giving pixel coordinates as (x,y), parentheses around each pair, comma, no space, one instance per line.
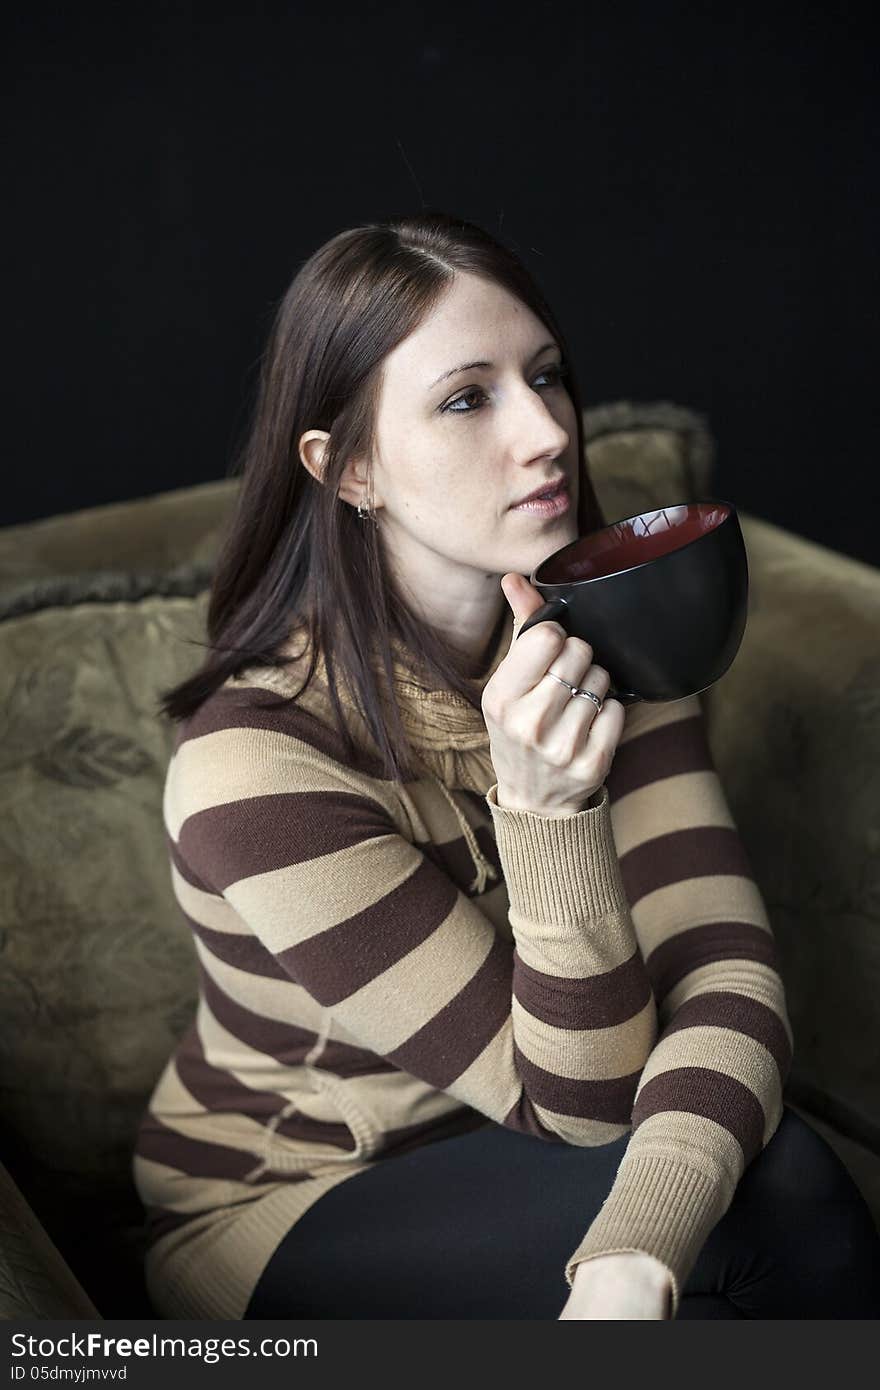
(572,663)
(523,597)
(601,733)
(597,680)
(572,718)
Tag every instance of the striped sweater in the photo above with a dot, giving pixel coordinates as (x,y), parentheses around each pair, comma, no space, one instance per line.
(382,964)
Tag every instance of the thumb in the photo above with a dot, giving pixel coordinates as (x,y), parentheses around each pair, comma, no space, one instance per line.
(523,597)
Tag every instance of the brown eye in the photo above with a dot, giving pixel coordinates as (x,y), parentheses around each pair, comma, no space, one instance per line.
(472,391)
(556,372)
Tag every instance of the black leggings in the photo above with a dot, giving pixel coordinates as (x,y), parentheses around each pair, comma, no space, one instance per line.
(480,1226)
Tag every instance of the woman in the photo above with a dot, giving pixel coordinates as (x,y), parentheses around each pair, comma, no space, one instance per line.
(478,1009)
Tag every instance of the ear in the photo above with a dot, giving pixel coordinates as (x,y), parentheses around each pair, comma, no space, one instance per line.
(311,450)
(352,484)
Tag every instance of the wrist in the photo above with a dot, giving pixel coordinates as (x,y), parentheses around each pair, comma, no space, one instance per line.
(559,811)
(637,1264)
(622,1284)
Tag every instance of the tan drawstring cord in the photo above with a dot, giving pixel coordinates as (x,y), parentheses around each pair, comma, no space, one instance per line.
(484,869)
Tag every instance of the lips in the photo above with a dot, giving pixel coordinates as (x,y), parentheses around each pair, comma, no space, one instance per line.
(550,489)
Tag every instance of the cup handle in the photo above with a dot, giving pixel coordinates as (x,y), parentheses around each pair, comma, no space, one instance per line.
(623,697)
(548,612)
(551,612)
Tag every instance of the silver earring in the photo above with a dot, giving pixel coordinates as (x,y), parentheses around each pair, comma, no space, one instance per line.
(365,509)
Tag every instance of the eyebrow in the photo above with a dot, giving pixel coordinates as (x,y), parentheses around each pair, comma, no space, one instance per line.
(469,366)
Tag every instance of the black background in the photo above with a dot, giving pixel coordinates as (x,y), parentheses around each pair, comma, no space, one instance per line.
(693,187)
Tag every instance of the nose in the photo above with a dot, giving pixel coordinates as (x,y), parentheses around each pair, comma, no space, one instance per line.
(536,431)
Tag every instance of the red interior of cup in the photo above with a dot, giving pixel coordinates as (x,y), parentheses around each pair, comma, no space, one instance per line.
(624,544)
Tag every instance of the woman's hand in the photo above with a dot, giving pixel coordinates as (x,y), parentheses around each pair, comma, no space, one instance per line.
(627,1284)
(550,752)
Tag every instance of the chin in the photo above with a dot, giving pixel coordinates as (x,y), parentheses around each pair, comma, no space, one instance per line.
(545,543)
(546,546)
(567,531)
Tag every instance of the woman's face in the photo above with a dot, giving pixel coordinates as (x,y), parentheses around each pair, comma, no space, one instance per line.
(452,455)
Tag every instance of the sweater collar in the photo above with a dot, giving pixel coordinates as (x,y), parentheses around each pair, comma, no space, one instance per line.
(447,734)
(445,731)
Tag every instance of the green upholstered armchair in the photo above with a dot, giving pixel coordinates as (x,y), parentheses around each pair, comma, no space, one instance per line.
(100,609)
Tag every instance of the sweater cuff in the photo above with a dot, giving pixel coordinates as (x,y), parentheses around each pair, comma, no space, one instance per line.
(560,868)
(659,1206)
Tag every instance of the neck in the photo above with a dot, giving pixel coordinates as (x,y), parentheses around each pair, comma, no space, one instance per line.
(477,665)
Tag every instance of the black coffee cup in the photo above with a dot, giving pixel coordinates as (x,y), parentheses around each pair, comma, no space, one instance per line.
(662,598)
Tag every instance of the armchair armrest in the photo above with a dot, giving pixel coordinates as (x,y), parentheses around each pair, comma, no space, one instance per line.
(794,727)
(35,1281)
(167,532)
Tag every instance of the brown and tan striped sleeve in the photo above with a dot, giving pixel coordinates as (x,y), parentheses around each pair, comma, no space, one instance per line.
(710,1096)
(546,1034)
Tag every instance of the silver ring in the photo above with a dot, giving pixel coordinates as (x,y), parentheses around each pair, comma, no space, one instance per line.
(576,690)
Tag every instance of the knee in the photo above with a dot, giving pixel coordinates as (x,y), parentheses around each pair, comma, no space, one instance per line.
(810,1205)
(798,1166)
(804,1211)
(802,1196)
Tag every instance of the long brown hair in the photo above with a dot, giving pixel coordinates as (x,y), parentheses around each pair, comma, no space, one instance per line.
(292,551)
